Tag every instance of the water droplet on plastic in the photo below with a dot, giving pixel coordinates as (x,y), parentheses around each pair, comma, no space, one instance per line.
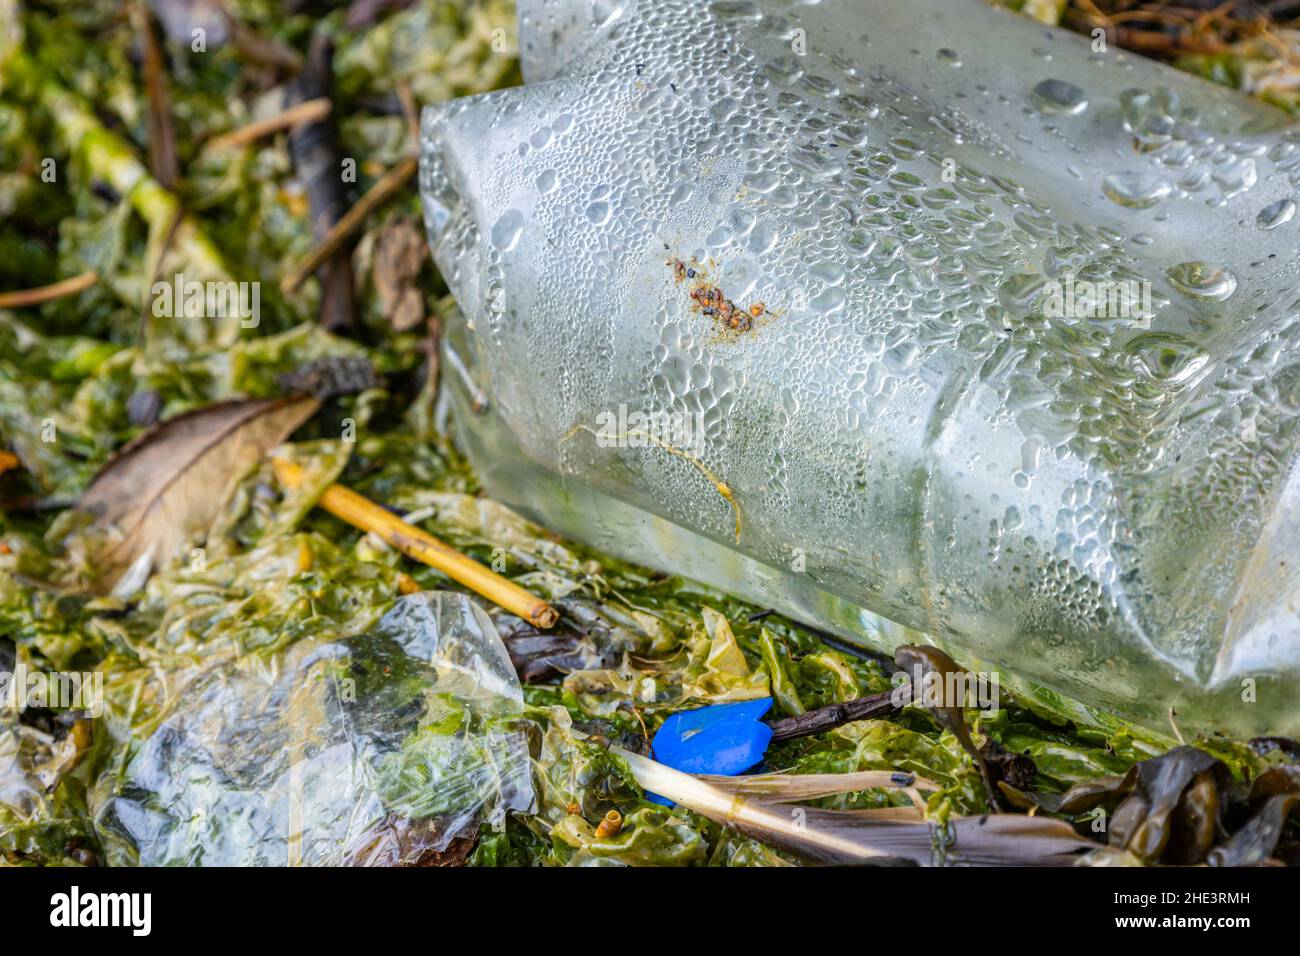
(506,232)
(1165,357)
(830,300)
(1059,98)
(1276,214)
(1135,190)
(1201,280)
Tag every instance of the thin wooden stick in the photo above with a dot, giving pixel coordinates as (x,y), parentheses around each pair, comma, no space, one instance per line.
(309,111)
(388,186)
(47,293)
(361,512)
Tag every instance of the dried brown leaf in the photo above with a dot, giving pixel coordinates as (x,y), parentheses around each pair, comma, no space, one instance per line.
(399,257)
(170,483)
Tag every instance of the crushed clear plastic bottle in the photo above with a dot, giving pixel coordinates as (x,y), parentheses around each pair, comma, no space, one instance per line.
(892,317)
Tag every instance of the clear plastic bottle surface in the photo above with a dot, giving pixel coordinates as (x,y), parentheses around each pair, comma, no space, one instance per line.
(896,317)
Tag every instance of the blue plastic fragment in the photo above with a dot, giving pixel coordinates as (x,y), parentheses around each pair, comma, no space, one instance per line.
(724,739)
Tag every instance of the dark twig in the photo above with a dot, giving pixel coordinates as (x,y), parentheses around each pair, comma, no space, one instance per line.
(162,129)
(834,715)
(318,159)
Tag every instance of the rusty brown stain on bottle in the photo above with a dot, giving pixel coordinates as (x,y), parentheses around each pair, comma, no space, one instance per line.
(709,300)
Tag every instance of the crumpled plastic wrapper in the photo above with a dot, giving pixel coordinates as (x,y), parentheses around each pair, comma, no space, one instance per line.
(379,749)
(841,243)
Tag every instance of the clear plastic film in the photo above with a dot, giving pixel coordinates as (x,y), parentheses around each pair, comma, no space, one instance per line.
(897,318)
(378,749)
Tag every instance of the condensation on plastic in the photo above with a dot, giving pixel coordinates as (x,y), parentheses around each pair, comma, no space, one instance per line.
(371,750)
(914,437)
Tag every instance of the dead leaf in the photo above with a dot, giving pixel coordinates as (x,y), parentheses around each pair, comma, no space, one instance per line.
(847,837)
(399,258)
(170,483)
